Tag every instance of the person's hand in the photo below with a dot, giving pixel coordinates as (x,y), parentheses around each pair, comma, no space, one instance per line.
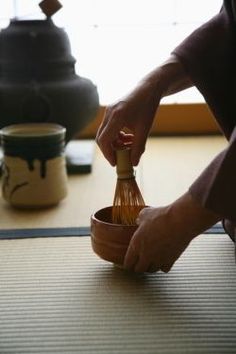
(157,243)
(135,113)
(164,233)
(130,119)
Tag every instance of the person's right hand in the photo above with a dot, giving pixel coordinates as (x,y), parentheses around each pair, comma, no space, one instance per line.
(136,112)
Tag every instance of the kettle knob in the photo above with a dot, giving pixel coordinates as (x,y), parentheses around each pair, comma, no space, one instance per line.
(50,7)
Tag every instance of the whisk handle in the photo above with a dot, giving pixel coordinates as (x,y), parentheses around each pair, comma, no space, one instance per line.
(124,168)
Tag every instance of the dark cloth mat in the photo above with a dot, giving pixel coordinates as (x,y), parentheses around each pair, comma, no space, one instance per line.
(44,232)
(69,231)
(215,229)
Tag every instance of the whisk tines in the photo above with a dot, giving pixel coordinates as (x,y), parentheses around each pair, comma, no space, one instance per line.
(128,200)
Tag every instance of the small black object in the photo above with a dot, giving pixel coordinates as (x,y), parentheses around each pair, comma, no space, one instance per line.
(79,156)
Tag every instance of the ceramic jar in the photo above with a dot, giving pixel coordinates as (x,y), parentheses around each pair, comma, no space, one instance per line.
(34,168)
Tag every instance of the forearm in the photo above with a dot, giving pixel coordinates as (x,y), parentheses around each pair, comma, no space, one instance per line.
(174,76)
(167,79)
(191,215)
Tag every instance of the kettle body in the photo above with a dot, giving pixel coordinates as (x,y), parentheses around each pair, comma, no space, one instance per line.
(38,82)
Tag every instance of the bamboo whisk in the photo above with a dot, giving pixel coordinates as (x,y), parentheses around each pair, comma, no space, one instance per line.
(128,200)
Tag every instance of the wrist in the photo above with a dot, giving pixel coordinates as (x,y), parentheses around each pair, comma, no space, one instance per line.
(193,217)
(174,76)
(166,79)
(169,78)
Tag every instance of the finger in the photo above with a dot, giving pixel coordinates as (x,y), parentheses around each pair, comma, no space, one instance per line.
(108,138)
(131,258)
(103,123)
(106,117)
(145,211)
(123,140)
(143,214)
(166,268)
(126,138)
(138,146)
(153,268)
(106,146)
(142,265)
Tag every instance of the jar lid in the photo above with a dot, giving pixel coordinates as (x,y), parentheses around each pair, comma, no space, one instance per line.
(33,140)
(34,131)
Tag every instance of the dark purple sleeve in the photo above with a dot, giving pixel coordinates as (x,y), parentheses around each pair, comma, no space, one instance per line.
(215,188)
(208,56)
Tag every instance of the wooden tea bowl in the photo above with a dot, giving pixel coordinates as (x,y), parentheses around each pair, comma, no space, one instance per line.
(110,241)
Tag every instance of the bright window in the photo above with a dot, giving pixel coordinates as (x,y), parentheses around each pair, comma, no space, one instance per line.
(116,42)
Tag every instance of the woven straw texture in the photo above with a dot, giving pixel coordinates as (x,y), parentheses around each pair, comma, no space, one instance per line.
(56,296)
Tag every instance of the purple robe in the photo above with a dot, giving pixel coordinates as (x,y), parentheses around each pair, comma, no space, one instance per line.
(209,57)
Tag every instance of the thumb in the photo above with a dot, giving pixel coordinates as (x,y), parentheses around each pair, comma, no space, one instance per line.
(138,146)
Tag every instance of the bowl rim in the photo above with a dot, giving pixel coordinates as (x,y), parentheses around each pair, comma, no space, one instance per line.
(95,218)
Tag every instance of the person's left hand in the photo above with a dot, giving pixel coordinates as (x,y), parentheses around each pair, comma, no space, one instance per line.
(164,233)
(157,243)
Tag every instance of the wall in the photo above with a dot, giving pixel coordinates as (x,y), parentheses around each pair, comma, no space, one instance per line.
(171,119)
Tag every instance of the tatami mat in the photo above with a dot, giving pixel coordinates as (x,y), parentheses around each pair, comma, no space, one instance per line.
(56,296)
